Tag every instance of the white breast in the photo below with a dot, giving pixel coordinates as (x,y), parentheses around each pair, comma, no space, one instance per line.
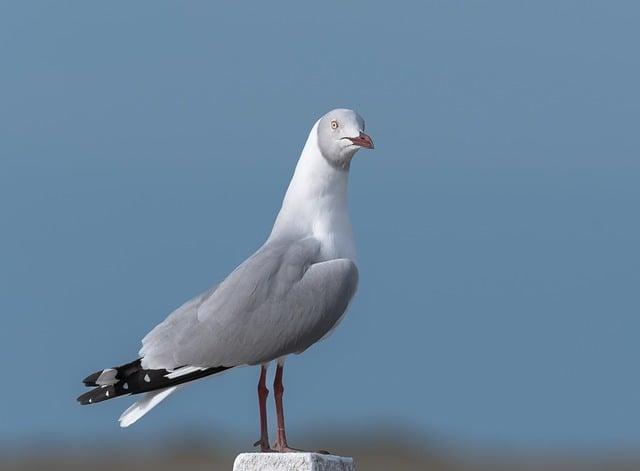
(316,204)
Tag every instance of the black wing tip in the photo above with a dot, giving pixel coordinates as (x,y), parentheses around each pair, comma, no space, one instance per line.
(121,372)
(85,399)
(133,379)
(91,379)
(99,394)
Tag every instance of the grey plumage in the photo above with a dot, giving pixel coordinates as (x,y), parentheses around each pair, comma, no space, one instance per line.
(280,301)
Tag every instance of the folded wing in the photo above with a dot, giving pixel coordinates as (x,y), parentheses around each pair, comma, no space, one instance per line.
(279,301)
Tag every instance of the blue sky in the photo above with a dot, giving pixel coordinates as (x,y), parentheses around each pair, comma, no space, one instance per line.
(145,148)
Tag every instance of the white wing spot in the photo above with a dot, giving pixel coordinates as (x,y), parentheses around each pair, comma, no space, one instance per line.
(107,393)
(147,379)
(125,386)
(90,400)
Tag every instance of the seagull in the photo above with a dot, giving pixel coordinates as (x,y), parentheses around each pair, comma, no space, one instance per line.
(291,293)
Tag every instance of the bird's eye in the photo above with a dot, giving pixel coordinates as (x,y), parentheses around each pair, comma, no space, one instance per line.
(334,124)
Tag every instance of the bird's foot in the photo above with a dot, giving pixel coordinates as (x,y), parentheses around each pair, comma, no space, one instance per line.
(284,448)
(264,446)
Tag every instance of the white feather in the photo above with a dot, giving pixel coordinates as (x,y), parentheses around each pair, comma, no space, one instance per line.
(107,377)
(185,370)
(144,405)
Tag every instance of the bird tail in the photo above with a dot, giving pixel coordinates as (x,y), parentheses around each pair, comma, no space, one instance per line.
(144,405)
(132,378)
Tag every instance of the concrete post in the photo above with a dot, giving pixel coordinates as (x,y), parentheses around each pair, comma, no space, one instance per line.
(292,462)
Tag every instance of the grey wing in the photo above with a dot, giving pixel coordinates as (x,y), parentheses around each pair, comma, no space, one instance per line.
(279,301)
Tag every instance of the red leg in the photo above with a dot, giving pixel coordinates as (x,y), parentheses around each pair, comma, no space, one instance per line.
(263,392)
(281,443)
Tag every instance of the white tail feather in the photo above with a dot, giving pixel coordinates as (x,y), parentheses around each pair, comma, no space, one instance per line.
(144,405)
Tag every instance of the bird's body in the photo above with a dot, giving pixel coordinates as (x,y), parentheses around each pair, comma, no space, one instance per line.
(264,310)
(305,270)
(285,297)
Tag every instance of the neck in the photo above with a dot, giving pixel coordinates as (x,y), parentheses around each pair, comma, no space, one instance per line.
(315,204)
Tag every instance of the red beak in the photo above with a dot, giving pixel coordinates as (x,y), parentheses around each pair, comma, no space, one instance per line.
(362,140)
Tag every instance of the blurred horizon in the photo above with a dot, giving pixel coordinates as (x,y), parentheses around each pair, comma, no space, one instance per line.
(390,448)
(145,151)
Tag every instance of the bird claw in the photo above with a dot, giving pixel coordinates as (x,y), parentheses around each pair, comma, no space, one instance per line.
(264,447)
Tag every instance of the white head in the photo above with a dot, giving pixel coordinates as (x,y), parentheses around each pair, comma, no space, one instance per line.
(340,136)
